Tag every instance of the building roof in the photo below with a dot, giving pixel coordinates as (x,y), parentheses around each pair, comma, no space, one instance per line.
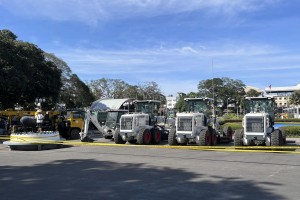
(282,89)
(108,103)
(248,88)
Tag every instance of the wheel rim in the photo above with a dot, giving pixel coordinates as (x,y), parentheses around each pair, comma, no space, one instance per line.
(229,135)
(214,138)
(207,139)
(157,136)
(147,137)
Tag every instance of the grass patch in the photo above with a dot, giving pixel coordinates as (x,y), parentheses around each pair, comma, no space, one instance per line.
(234,125)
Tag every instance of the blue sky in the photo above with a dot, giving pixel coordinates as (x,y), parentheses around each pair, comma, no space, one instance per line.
(171,42)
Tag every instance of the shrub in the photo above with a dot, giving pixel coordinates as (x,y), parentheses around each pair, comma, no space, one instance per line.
(234,126)
(292,131)
(287,120)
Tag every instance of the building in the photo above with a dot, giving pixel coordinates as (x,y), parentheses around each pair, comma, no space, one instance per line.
(282,97)
(281,94)
(282,90)
(171,102)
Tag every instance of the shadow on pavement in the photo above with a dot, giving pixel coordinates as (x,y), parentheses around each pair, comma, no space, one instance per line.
(91,179)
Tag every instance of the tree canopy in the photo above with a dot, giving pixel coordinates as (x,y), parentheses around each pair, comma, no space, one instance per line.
(28,73)
(25,74)
(224,90)
(74,93)
(116,88)
(295,98)
(253,93)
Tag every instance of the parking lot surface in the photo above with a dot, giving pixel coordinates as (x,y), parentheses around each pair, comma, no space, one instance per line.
(134,172)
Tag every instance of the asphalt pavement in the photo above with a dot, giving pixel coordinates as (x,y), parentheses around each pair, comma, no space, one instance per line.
(135,172)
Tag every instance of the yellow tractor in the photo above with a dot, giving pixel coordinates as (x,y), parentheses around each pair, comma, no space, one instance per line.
(70,124)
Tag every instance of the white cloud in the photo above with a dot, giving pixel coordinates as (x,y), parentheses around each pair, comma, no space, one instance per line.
(94,11)
(226,58)
(180,68)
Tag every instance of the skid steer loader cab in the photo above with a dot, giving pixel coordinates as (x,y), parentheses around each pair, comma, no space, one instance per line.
(188,126)
(149,107)
(258,124)
(257,128)
(141,126)
(192,126)
(134,128)
(198,125)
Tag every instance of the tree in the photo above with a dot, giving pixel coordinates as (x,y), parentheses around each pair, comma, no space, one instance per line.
(150,90)
(119,88)
(101,88)
(25,74)
(116,88)
(74,93)
(66,71)
(253,93)
(295,98)
(192,95)
(224,90)
(180,105)
(78,95)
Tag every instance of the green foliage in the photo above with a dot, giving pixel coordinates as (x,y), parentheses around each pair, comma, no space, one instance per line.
(292,131)
(74,93)
(77,95)
(116,88)
(230,116)
(295,98)
(66,71)
(192,95)
(253,93)
(234,125)
(150,90)
(291,120)
(25,74)
(224,90)
(180,105)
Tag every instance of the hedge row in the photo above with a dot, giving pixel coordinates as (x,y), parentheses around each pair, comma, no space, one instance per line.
(234,126)
(287,120)
(224,121)
(292,131)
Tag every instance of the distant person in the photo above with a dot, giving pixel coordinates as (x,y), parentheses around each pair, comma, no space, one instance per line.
(46,118)
(2,126)
(39,119)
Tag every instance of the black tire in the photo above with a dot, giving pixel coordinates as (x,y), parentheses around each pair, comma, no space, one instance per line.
(214,138)
(74,134)
(282,129)
(144,136)
(229,132)
(172,137)
(276,138)
(132,141)
(204,139)
(268,140)
(155,136)
(238,137)
(117,137)
(108,136)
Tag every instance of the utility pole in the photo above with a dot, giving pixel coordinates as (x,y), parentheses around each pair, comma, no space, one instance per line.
(213,87)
